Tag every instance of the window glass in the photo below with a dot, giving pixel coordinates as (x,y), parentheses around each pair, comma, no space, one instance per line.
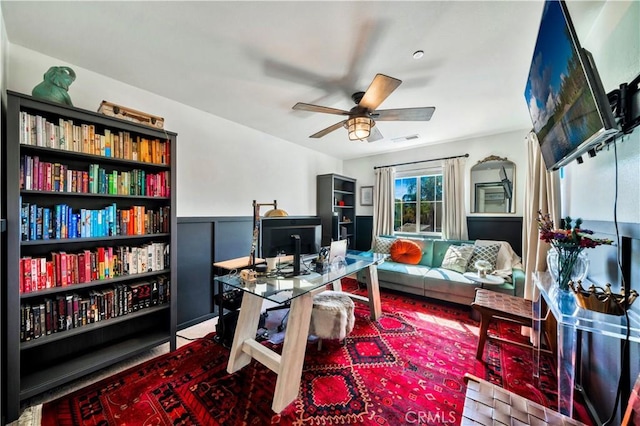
(425,216)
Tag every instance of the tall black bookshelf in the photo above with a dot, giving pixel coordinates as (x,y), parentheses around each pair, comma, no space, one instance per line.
(115,304)
(336,206)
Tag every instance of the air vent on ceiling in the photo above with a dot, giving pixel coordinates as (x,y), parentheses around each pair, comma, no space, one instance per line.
(405,138)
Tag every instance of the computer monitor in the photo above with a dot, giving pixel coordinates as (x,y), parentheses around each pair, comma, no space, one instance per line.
(295,236)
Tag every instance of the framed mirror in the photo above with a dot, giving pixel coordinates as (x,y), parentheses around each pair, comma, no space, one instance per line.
(492,186)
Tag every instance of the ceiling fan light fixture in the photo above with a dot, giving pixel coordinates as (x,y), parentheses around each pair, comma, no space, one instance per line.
(359,128)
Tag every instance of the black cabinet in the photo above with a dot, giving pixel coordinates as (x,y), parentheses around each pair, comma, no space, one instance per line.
(90,246)
(336,206)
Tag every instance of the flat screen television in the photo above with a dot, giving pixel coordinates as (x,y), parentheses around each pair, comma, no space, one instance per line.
(281,236)
(569,108)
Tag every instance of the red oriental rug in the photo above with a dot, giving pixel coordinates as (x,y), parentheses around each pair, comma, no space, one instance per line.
(407,368)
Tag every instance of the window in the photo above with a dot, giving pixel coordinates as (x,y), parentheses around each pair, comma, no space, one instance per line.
(418,204)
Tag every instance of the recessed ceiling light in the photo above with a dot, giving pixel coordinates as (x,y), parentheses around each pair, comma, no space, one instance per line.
(418,54)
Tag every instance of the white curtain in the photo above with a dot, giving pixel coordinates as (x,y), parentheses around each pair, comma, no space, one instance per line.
(383,201)
(454,223)
(542,192)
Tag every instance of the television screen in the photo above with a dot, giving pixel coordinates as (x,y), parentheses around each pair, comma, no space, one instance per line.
(567,103)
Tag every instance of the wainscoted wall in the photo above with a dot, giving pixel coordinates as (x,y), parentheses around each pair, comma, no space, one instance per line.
(602,355)
(501,228)
(201,242)
(364,230)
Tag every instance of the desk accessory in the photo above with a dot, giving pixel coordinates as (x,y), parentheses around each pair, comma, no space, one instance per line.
(602,300)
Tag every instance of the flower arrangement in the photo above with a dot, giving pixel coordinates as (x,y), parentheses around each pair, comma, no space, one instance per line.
(568,242)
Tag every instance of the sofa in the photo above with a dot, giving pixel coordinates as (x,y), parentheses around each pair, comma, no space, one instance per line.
(428,278)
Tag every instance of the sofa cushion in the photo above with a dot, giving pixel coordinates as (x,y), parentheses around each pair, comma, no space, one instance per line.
(484,252)
(408,278)
(382,244)
(406,251)
(457,257)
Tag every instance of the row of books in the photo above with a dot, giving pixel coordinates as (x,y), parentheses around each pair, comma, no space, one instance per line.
(62,221)
(85,138)
(61,269)
(73,310)
(57,177)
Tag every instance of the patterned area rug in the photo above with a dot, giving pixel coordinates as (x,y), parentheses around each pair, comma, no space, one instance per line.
(407,368)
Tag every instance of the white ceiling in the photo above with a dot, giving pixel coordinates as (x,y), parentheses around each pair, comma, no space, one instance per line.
(250,62)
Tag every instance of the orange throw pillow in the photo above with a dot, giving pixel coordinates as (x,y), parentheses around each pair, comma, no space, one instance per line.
(406,251)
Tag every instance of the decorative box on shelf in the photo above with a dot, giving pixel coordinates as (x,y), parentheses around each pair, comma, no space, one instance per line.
(603,300)
(129,114)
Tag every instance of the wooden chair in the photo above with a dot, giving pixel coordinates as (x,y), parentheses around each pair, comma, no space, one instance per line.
(490,305)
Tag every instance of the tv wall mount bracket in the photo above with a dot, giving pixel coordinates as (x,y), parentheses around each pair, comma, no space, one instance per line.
(625,104)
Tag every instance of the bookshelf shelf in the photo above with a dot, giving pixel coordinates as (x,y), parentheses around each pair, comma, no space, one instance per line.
(92,284)
(93,239)
(79,175)
(90,327)
(87,363)
(83,194)
(333,189)
(64,155)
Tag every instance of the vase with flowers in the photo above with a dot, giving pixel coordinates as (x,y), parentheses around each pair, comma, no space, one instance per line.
(568,261)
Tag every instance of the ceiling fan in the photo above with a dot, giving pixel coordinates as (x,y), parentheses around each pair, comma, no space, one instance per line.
(361,118)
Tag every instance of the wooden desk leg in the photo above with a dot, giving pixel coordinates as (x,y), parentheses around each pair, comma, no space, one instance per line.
(293,349)
(373,291)
(248,322)
(337,285)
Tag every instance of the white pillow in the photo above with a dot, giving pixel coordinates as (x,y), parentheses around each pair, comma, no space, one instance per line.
(457,257)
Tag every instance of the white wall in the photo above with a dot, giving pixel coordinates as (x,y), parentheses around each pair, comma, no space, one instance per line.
(588,188)
(222,166)
(4,47)
(510,145)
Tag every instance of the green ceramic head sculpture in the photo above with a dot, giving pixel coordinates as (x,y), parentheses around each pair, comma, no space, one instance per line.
(55,85)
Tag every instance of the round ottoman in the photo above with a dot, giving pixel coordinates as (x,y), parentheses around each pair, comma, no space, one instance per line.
(332,316)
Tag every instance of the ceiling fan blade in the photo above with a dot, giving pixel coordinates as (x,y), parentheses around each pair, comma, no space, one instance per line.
(375,135)
(403,114)
(328,130)
(379,89)
(300,106)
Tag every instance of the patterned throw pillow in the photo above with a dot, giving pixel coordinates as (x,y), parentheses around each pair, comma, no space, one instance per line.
(488,253)
(382,244)
(406,251)
(457,258)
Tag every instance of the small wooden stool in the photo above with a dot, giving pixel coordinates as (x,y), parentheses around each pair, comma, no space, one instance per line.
(491,304)
(332,316)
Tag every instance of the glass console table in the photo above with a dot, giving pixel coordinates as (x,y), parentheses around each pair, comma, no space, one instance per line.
(299,292)
(569,326)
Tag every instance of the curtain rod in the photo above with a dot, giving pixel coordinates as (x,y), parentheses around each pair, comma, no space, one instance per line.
(421,161)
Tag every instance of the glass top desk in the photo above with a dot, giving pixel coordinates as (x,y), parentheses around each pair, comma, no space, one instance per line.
(299,291)
(569,325)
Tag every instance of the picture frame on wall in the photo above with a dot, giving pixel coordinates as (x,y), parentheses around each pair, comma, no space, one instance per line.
(366,195)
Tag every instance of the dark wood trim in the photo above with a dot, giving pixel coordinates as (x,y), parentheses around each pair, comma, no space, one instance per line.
(501,228)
